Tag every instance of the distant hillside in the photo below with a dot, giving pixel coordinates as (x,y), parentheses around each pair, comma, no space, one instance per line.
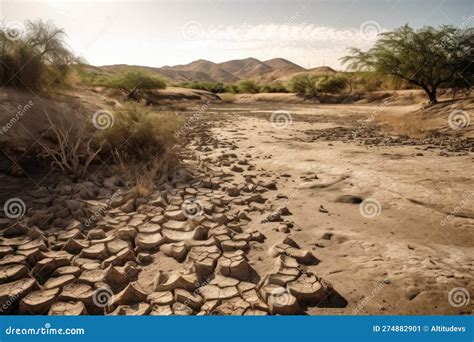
(213,72)
(318,71)
(247,68)
(277,69)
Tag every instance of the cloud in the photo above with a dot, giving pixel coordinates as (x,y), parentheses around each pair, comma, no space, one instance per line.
(308,43)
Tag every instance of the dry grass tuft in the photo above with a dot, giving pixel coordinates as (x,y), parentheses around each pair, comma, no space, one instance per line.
(143,143)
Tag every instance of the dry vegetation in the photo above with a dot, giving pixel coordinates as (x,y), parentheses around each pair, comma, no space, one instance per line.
(139,141)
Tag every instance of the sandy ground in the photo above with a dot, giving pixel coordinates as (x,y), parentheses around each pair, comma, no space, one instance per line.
(411,253)
(385,218)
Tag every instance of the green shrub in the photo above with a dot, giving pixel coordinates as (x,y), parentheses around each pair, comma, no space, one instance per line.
(304,85)
(94,79)
(214,87)
(276,87)
(248,86)
(232,88)
(331,84)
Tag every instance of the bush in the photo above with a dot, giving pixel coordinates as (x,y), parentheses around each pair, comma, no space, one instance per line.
(304,85)
(34,59)
(139,134)
(331,84)
(214,87)
(248,87)
(276,87)
(70,149)
(134,83)
(93,79)
(232,88)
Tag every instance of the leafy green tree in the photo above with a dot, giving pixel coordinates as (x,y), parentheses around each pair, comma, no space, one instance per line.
(133,83)
(428,58)
(332,84)
(304,85)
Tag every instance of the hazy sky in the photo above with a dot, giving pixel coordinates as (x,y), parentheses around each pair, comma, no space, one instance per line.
(156,33)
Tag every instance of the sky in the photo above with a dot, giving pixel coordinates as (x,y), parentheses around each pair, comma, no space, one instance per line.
(310,33)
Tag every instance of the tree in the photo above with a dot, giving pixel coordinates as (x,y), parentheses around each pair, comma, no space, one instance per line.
(304,85)
(35,58)
(134,82)
(428,58)
(332,84)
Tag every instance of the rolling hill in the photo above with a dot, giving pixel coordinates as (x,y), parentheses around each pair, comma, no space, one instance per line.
(277,69)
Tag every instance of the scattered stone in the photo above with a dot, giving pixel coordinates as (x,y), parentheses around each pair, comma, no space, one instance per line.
(322,209)
(351,199)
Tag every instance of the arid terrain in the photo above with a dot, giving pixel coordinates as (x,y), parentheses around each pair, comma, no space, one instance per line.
(278,207)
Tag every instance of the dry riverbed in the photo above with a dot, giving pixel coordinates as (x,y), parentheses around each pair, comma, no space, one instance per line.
(272,211)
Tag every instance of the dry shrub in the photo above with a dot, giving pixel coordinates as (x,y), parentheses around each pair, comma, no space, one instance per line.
(36,59)
(142,142)
(414,126)
(70,149)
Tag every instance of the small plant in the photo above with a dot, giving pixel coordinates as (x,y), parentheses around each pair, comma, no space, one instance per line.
(140,134)
(70,149)
(143,144)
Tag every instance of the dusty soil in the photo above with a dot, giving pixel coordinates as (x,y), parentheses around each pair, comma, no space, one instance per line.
(275,209)
(407,257)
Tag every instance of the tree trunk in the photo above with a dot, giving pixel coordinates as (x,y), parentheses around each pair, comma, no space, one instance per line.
(431,95)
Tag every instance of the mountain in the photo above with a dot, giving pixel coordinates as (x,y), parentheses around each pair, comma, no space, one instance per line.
(212,70)
(247,68)
(276,69)
(281,68)
(282,64)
